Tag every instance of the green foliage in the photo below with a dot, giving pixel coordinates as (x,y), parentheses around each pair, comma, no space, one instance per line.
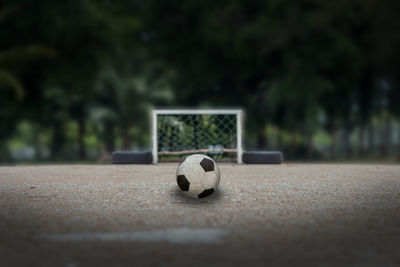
(89,71)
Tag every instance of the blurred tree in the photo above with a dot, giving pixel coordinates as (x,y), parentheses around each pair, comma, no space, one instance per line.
(272,57)
(21,63)
(125,95)
(300,66)
(387,57)
(83,35)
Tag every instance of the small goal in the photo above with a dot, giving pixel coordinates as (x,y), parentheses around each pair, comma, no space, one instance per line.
(177,133)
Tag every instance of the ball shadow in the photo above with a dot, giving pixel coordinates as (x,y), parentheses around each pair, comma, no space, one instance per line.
(177,196)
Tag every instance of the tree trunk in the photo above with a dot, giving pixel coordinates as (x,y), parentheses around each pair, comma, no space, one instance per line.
(310,147)
(109,135)
(398,144)
(81,136)
(346,140)
(57,140)
(279,139)
(387,140)
(294,147)
(261,139)
(126,139)
(361,137)
(37,144)
(371,138)
(346,143)
(5,156)
(334,142)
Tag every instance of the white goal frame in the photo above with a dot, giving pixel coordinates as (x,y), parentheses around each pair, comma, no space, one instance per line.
(239,126)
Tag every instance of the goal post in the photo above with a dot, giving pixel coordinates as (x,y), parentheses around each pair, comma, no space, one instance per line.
(179,132)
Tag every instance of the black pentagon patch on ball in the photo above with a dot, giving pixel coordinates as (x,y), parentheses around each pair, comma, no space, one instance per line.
(183,183)
(206,192)
(207,164)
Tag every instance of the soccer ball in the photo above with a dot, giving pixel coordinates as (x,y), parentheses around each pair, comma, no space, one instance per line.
(198,176)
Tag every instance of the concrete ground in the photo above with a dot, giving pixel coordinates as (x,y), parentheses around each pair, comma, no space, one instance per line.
(134,215)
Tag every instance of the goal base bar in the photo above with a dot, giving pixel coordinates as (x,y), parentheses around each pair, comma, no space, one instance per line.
(262,157)
(196,151)
(218,160)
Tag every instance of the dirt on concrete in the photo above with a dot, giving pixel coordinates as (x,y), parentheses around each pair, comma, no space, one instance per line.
(135,215)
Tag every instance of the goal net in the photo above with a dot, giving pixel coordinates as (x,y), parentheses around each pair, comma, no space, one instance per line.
(178,133)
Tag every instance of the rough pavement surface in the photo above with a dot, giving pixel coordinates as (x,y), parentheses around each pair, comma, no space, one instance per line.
(129,215)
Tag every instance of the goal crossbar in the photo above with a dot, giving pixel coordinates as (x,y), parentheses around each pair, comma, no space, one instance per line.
(239,117)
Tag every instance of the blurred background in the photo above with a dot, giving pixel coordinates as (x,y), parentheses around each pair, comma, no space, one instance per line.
(319,80)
